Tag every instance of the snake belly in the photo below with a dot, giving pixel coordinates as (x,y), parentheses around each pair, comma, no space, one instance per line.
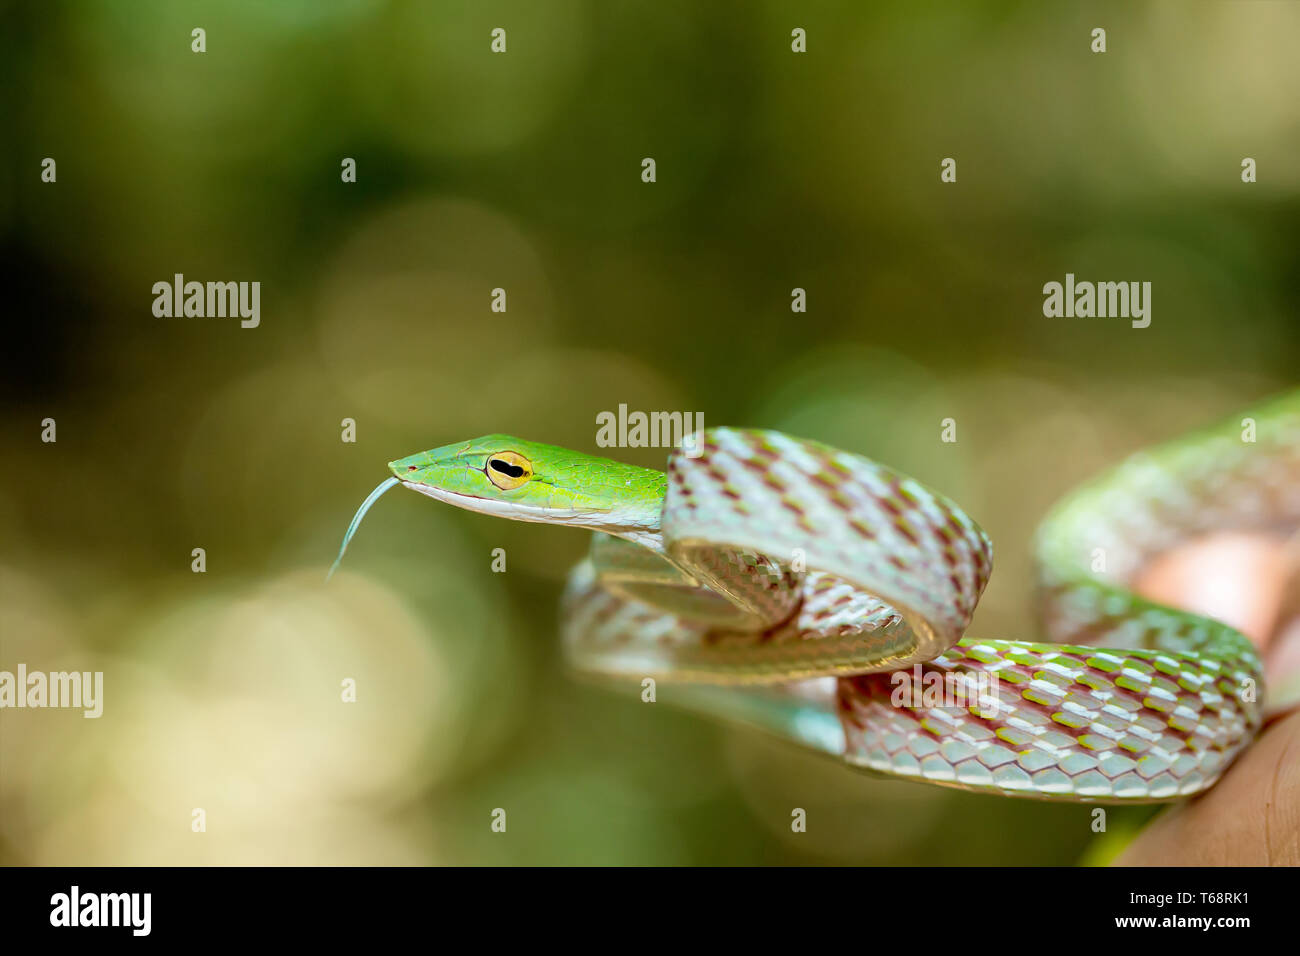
(798,581)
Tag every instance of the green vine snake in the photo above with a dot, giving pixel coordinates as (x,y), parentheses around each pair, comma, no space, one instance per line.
(824,597)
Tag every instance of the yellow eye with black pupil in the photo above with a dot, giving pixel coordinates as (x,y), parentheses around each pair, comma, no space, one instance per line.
(508,470)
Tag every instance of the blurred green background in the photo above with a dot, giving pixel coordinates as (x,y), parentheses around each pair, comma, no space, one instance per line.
(522,171)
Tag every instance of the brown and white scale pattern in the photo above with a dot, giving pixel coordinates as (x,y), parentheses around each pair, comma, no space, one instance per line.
(849,570)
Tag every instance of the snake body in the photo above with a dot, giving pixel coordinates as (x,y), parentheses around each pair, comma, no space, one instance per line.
(825,597)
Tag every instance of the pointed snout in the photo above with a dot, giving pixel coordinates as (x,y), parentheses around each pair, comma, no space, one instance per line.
(413,466)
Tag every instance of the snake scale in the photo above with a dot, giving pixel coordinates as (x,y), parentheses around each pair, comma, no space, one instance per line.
(822,596)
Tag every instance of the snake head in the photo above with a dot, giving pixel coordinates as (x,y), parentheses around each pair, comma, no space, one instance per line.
(478,468)
(529,481)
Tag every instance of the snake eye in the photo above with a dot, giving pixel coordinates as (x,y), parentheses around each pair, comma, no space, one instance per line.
(509,470)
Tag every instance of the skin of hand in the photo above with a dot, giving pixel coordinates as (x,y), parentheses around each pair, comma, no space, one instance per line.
(1252,816)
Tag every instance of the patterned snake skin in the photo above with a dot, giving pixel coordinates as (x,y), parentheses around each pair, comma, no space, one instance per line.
(799,566)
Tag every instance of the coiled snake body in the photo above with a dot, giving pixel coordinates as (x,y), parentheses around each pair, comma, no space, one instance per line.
(836,592)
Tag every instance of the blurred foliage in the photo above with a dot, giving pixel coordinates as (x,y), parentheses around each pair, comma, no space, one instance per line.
(522,171)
